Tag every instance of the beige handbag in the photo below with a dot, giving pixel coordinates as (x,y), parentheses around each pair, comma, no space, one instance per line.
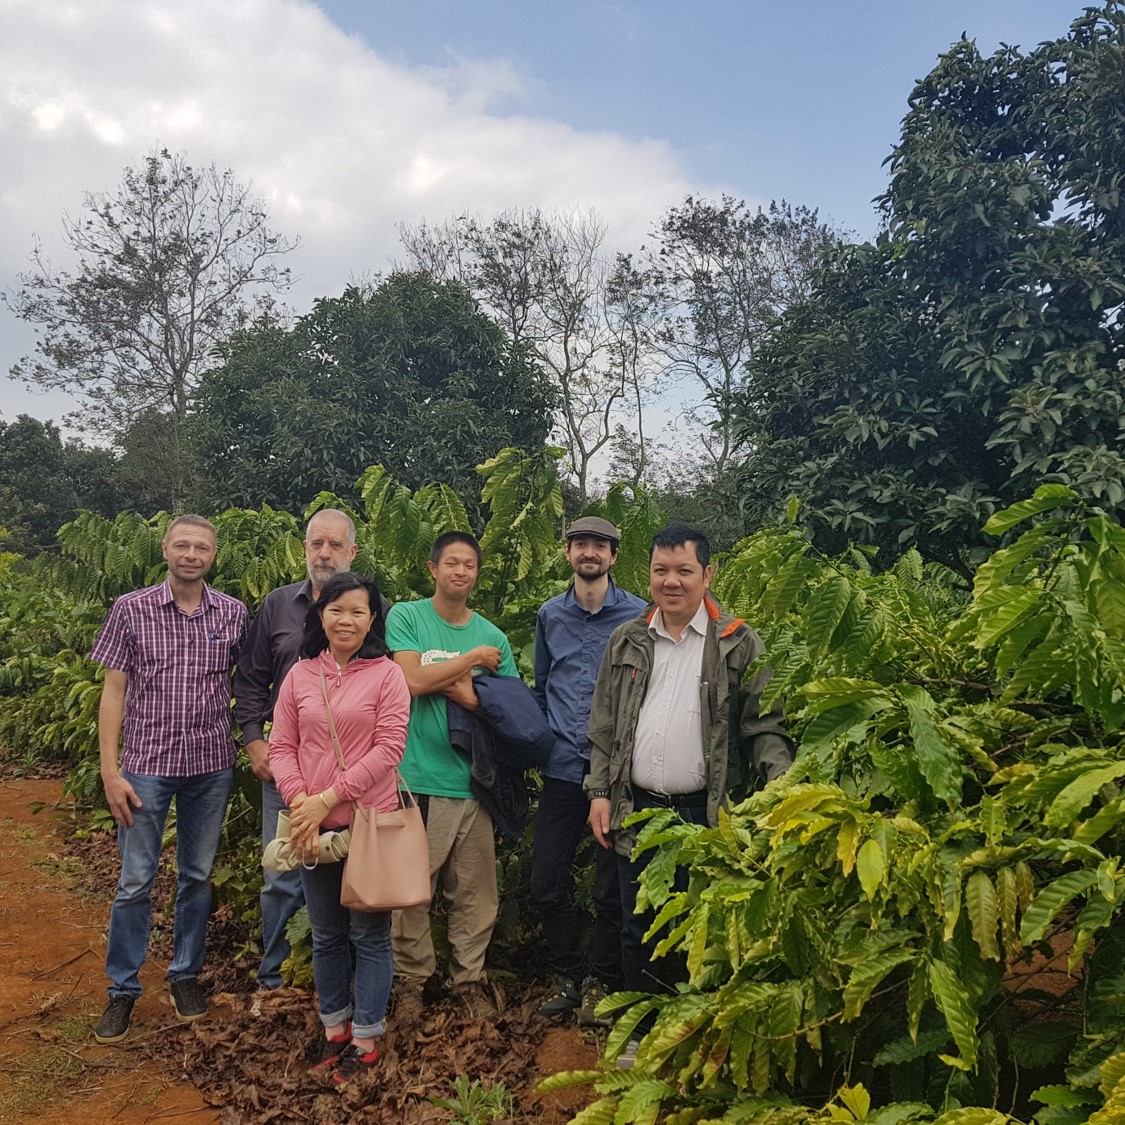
(388,864)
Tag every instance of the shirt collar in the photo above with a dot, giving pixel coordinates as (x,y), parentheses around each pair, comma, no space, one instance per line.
(612,596)
(304,590)
(164,597)
(698,623)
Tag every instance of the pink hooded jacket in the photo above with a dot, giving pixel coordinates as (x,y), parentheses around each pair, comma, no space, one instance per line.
(371,707)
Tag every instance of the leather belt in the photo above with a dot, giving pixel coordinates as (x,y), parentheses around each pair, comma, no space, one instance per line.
(696,800)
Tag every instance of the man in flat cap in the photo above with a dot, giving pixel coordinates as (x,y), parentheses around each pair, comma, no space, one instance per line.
(570,638)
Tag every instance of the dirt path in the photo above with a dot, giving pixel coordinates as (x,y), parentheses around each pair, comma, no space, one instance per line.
(52,990)
(246,1056)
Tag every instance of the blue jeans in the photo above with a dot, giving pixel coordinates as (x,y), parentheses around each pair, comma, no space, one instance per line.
(282,896)
(201,804)
(335,929)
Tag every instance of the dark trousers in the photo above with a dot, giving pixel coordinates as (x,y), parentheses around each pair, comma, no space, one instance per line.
(560,824)
(640,971)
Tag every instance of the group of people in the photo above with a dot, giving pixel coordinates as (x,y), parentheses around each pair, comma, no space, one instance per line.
(342,698)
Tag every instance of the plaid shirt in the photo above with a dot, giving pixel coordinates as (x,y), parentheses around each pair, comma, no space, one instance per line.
(177,701)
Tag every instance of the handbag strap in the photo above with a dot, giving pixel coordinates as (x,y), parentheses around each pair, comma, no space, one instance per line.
(331,720)
(336,742)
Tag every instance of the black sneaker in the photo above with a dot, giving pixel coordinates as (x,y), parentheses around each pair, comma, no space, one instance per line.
(115,1021)
(593,993)
(190,1002)
(324,1054)
(564,998)
(354,1062)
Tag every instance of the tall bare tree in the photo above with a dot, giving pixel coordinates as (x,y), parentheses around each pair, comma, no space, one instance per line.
(166,267)
(720,275)
(582,312)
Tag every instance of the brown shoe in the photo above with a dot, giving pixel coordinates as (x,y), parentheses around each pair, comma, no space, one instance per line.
(481,998)
(408,1006)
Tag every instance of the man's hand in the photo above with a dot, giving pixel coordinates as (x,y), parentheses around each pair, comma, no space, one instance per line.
(462,691)
(258,752)
(121,797)
(599,820)
(487,656)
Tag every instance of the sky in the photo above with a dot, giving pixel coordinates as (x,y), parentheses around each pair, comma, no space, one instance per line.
(351,116)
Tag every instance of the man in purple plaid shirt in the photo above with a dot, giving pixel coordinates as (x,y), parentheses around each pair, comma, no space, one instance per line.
(168,651)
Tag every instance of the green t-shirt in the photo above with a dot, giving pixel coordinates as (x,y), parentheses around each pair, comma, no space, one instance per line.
(430,764)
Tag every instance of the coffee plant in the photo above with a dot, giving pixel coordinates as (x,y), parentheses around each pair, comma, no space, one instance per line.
(52,608)
(872,937)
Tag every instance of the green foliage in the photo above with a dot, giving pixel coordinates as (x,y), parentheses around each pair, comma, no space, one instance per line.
(44,481)
(297,968)
(974,350)
(474,1104)
(955,813)
(409,373)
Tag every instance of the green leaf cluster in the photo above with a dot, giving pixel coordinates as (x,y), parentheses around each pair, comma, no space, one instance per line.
(972,351)
(952,830)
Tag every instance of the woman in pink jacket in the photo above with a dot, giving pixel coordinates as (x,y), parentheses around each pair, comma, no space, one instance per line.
(346,655)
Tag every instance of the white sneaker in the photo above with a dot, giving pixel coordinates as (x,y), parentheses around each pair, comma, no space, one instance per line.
(628,1058)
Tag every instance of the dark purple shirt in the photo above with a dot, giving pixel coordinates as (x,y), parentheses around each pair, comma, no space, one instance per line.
(272,647)
(273,644)
(177,701)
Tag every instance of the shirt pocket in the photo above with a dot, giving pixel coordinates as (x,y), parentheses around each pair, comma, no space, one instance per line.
(215,658)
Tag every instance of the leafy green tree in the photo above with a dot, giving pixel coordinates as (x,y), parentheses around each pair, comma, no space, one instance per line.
(44,480)
(166,267)
(976,349)
(409,374)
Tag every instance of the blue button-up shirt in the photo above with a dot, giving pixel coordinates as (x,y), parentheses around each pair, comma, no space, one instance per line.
(569,645)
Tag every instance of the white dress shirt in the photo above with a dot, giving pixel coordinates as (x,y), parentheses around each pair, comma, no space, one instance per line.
(668,749)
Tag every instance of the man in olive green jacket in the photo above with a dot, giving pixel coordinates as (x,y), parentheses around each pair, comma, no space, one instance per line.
(671,724)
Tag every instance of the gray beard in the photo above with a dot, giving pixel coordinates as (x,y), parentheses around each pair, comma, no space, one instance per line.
(318,579)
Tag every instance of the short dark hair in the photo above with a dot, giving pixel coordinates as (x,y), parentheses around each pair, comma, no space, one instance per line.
(680,535)
(314,641)
(189,519)
(450,537)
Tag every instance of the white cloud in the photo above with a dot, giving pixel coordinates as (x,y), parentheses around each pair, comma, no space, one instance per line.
(341,142)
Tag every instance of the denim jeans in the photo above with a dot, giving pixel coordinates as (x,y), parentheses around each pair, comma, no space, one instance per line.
(201,804)
(333,928)
(282,896)
(560,824)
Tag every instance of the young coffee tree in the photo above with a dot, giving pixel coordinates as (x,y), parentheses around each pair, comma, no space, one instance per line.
(868,938)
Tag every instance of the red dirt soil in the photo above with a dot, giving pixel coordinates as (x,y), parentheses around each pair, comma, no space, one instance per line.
(52,990)
(244,1062)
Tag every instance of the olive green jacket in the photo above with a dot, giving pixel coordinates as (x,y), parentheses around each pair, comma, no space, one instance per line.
(741,747)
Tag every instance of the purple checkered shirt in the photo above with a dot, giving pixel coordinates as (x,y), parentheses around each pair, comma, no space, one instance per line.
(177,702)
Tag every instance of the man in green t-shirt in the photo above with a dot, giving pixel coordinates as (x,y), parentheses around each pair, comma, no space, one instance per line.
(441,644)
